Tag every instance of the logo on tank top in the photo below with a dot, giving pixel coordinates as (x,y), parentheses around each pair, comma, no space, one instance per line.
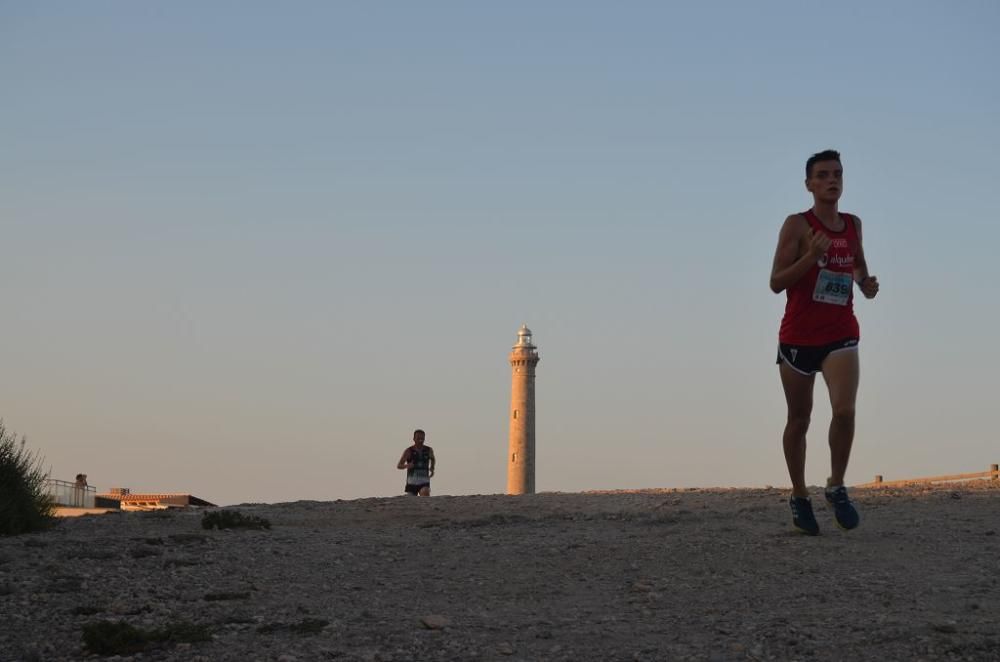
(837,260)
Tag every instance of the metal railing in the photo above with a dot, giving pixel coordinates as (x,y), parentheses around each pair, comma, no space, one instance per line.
(70,495)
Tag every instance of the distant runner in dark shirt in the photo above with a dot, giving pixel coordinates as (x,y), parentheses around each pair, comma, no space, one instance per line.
(418,460)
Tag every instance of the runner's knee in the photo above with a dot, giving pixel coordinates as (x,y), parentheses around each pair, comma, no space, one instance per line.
(798,421)
(844,413)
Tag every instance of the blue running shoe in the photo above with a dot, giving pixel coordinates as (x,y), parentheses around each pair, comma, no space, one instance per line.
(802,516)
(843,510)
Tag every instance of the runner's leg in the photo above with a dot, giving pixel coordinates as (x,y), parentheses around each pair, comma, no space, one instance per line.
(799,398)
(841,370)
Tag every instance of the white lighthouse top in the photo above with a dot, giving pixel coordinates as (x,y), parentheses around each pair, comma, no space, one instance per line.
(524,337)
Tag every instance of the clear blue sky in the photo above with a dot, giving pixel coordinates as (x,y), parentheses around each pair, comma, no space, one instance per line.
(248,247)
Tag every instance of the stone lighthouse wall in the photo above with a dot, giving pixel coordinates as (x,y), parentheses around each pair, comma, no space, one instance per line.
(521,456)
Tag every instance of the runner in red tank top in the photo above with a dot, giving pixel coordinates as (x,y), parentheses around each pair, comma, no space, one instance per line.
(828,281)
(818,259)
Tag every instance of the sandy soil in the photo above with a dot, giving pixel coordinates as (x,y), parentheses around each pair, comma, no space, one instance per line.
(649,575)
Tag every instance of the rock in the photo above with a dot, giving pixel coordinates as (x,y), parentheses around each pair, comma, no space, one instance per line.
(945,627)
(143,552)
(504,648)
(435,622)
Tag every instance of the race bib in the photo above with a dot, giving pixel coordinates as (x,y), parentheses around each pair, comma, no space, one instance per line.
(833,287)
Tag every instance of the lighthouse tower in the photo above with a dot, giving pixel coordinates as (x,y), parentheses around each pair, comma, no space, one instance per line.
(521,458)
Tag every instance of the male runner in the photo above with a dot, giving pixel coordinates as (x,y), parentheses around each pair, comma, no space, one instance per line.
(818,260)
(418,460)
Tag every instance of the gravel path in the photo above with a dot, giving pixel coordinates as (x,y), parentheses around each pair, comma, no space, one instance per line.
(647,575)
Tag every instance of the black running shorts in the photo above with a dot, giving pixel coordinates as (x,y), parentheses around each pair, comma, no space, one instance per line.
(808,359)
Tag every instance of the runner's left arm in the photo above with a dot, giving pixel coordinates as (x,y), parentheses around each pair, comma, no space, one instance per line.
(433,462)
(866,282)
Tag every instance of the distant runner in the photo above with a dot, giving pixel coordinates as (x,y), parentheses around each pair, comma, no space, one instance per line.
(818,260)
(418,460)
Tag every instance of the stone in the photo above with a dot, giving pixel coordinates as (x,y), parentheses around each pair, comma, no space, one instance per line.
(435,622)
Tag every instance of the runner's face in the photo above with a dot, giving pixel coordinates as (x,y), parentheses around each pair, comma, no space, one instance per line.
(418,439)
(826,182)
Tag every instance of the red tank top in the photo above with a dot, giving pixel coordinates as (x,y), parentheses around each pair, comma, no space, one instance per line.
(820,306)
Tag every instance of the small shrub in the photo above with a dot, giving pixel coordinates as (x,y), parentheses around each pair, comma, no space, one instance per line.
(24,505)
(108,638)
(304,627)
(231,519)
(226,595)
(183,633)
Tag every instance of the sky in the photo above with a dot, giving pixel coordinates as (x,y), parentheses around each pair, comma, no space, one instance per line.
(247,247)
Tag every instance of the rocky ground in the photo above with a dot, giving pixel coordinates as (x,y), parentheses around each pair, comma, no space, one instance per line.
(650,575)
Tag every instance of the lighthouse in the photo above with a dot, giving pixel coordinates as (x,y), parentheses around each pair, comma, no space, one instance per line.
(521,457)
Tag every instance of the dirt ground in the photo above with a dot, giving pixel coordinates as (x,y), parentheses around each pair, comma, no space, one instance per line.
(645,575)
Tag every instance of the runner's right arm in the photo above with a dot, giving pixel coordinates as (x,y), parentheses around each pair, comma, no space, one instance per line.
(404,462)
(799,246)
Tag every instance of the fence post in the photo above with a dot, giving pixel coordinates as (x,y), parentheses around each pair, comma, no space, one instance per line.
(995,471)
(878,479)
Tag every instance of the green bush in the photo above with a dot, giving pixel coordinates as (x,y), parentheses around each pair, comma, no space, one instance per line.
(231,519)
(108,638)
(24,505)
(182,632)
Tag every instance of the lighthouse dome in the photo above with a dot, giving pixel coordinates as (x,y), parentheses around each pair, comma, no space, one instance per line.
(524,336)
